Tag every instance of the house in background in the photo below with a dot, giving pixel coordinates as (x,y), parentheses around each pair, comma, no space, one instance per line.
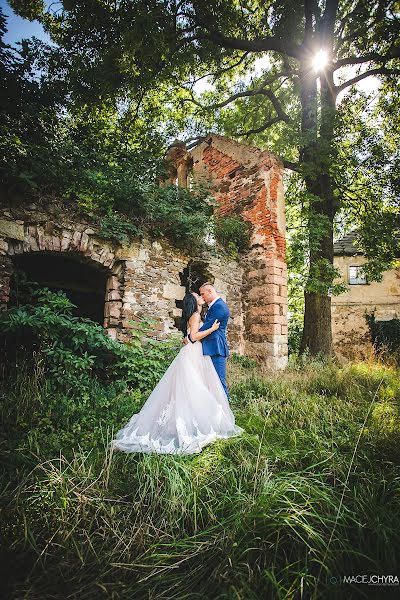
(349,326)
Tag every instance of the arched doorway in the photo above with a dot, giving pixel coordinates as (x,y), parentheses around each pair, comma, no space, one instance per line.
(192,277)
(83,281)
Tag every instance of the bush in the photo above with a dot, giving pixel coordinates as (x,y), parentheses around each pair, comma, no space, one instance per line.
(295,332)
(80,379)
(232,233)
(244,361)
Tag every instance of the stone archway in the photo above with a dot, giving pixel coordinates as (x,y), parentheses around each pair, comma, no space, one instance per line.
(78,243)
(81,279)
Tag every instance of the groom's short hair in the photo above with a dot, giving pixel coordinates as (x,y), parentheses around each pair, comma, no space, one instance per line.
(207,283)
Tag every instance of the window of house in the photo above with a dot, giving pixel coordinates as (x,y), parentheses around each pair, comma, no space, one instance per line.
(357,275)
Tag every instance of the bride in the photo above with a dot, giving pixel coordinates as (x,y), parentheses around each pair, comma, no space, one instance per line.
(188,408)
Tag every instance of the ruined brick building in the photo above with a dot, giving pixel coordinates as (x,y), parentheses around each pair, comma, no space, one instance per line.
(115,283)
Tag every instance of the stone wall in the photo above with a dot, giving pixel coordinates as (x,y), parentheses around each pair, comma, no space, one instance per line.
(249,182)
(349,326)
(143,278)
(146,279)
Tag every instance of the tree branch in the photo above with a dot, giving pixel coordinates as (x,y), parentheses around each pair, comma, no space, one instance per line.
(260,91)
(378,71)
(290,165)
(372,56)
(259,44)
(262,127)
(205,21)
(214,75)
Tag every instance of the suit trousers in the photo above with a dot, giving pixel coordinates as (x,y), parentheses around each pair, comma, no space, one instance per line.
(219,363)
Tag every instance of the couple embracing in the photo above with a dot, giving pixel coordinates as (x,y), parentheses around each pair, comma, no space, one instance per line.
(189,407)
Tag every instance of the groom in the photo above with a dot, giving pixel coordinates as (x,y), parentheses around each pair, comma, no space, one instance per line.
(215,344)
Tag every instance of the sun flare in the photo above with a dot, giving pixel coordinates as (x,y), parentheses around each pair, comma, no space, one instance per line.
(320,60)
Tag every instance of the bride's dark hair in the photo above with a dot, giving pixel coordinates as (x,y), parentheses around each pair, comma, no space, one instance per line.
(189,308)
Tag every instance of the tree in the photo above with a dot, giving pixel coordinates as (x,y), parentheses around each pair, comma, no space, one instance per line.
(157,46)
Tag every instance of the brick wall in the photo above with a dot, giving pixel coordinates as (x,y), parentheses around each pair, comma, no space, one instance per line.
(248,181)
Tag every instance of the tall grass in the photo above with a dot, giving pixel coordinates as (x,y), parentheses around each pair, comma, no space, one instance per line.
(310,492)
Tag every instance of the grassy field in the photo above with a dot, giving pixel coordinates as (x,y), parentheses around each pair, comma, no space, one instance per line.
(308,495)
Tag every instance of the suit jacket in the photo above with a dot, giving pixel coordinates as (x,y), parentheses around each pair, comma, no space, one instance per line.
(216,343)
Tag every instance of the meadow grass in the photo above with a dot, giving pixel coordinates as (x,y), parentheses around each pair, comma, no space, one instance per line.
(310,492)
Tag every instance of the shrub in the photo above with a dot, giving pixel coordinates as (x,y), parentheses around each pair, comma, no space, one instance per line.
(82,379)
(233,233)
(244,361)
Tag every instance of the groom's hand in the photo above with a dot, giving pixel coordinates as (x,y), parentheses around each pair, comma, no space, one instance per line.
(185,341)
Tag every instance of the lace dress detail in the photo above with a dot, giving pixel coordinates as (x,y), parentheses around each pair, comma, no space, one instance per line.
(187,410)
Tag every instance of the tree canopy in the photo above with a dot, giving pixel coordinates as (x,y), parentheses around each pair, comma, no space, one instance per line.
(276,70)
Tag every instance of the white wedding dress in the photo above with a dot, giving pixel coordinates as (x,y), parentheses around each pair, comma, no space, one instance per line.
(187,410)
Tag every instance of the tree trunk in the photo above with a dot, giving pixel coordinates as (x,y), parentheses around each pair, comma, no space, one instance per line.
(317,331)
(316,158)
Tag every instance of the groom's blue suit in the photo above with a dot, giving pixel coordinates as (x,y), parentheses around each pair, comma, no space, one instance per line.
(215,344)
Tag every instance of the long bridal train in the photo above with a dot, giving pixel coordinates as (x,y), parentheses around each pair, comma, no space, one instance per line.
(187,410)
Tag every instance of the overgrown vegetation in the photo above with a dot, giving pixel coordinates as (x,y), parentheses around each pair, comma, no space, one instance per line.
(79,373)
(98,158)
(233,234)
(309,492)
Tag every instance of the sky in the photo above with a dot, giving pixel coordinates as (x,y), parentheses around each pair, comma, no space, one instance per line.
(19,28)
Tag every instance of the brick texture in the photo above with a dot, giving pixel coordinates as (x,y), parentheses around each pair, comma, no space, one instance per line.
(248,182)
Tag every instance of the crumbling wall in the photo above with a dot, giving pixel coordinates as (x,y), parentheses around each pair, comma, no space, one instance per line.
(143,278)
(249,182)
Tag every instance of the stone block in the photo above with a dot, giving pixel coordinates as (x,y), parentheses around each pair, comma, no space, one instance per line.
(256,292)
(114,308)
(113,295)
(84,242)
(76,239)
(56,243)
(129,298)
(65,241)
(112,333)
(265,329)
(48,242)
(172,291)
(113,283)
(11,230)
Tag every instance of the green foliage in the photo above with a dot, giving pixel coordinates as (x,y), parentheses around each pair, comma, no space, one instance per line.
(367,173)
(80,380)
(232,233)
(244,361)
(295,332)
(99,158)
(76,349)
(179,214)
(114,226)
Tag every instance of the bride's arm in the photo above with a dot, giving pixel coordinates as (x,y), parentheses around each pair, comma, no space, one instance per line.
(195,334)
